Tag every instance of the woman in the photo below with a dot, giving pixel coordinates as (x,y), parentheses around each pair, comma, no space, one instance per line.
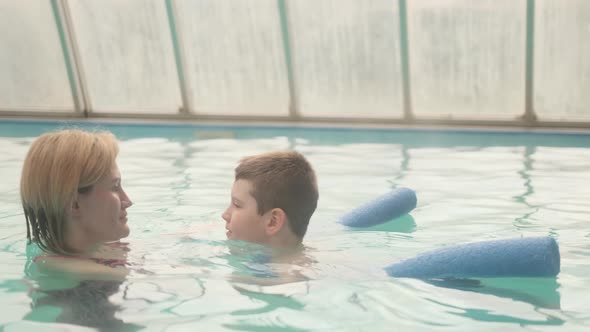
(74,203)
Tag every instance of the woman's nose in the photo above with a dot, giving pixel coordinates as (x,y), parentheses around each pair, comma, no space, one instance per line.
(125,199)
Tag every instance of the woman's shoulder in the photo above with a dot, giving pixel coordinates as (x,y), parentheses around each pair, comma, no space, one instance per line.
(85,268)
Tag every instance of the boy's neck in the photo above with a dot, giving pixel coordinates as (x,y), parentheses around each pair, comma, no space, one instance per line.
(284,252)
(284,240)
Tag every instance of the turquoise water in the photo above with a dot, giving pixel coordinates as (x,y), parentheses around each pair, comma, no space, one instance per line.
(471,186)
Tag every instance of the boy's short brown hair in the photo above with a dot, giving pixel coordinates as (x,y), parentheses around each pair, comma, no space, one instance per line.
(285,180)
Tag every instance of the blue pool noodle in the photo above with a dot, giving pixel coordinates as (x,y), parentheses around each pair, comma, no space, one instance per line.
(391,205)
(520,257)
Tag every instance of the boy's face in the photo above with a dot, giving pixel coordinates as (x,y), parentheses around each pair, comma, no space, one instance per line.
(242,220)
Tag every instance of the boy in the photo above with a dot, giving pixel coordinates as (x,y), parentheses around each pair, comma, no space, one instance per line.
(273,197)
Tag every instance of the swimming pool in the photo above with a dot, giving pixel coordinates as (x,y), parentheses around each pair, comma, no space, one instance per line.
(471,186)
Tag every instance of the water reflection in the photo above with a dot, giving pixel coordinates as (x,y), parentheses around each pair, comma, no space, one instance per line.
(61,297)
(403,224)
(85,304)
(539,292)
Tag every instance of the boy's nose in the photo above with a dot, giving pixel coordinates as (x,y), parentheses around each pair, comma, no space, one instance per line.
(225,215)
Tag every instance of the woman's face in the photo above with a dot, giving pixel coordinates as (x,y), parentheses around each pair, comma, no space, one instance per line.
(103,209)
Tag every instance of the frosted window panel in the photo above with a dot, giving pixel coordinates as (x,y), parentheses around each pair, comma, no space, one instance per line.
(234,56)
(32,66)
(346,57)
(562,60)
(467,58)
(127,55)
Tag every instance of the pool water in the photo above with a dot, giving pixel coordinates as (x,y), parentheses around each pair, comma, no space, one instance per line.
(471,186)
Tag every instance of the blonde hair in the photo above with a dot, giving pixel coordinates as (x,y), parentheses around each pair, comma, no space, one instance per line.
(58,166)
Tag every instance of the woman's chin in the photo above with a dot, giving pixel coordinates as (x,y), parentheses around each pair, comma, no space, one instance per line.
(124,232)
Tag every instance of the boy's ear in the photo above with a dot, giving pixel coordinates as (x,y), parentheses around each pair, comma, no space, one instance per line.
(277,220)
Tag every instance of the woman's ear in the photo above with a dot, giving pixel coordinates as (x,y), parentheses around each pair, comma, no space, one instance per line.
(277,220)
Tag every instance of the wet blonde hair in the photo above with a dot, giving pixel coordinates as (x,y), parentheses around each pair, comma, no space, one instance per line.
(58,166)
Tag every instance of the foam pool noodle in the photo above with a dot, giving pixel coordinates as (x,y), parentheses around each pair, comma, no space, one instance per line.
(389,206)
(520,257)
